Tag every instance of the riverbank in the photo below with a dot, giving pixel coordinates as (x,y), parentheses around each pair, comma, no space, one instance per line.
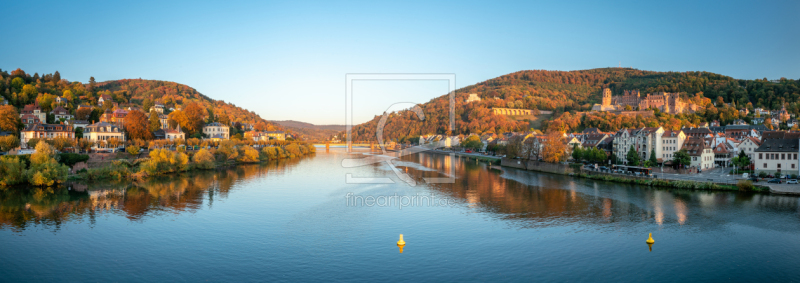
(164,161)
(576,171)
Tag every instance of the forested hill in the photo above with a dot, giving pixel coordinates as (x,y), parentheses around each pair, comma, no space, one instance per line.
(19,88)
(575,91)
(171,94)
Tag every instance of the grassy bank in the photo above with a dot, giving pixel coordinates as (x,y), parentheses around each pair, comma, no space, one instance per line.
(677,184)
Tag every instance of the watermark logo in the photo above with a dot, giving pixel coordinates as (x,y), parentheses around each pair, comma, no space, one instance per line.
(386,156)
(400,201)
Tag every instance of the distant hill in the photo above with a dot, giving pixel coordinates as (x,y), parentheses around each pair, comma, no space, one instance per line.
(310,131)
(577,91)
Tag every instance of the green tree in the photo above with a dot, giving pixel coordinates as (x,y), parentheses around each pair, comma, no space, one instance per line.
(633,157)
(472,142)
(147,104)
(653,160)
(577,153)
(681,157)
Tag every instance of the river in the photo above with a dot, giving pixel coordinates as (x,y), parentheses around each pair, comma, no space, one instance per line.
(302,220)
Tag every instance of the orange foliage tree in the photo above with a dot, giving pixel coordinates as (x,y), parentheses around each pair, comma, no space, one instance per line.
(136,126)
(555,148)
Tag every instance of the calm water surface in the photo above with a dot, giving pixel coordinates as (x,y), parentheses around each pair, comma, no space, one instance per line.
(291,221)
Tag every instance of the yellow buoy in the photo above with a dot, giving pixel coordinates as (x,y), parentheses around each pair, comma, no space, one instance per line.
(649,239)
(401,242)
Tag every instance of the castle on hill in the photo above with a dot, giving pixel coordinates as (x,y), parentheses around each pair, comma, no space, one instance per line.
(664,101)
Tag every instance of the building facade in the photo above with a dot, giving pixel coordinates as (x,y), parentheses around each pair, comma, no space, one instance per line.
(216,131)
(101,132)
(45,131)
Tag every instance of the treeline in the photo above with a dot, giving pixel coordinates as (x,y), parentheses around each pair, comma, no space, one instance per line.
(576,91)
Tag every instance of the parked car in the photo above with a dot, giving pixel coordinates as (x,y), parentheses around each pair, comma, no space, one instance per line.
(468,151)
(753,179)
(602,168)
(792,181)
(774,181)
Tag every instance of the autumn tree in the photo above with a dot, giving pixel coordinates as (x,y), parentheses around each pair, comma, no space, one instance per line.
(9,118)
(83,113)
(555,148)
(193,118)
(8,142)
(136,126)
(154,121)
(260,126)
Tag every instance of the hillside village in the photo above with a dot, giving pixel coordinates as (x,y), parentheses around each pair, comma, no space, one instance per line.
(82,118)
(756,147)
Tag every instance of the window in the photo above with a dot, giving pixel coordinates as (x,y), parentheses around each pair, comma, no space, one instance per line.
(783,156)
(792,165)
(765,166)
(779,166)
(795,156)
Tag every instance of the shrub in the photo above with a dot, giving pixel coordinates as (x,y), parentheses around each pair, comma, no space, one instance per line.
(762,174)
(116,170)
(272,152)
(165,161)
(248,154)
(293,150)
(228,150)
(132,149)
(745,185)
(203,159)
(778,174)
(12,170)
(44,169)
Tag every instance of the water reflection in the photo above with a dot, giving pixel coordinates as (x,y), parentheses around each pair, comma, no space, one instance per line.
(23,207)
(537,199)
(523,199)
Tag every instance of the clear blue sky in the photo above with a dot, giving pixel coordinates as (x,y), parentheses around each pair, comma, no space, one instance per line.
(288,60)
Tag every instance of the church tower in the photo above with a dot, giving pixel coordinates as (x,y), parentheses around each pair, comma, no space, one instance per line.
(606,97)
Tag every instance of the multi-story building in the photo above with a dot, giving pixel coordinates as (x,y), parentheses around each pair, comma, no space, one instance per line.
(45,131)
(671,141)
(276,135)
(61,113)
(103,98)
(29,119)
(158,107)
(62,100)
(648,141)
(101,132)
(778,155)
(216,131)
(170,134)
(77,124)
(118,117)
(164,121)
(592,140)
(35,110)
(702,132)
(700,152)
(749,146)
